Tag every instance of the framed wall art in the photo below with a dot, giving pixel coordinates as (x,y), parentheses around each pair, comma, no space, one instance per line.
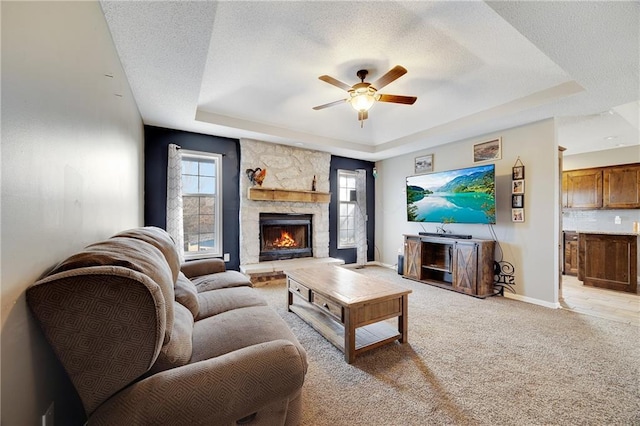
(517,201)
(424,164)
(487,151)
(517,215)
(517,172)
(517,191)
(517,186)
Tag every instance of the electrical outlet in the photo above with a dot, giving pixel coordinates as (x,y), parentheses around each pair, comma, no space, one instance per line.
(226,257)
(617,220)
(47,417)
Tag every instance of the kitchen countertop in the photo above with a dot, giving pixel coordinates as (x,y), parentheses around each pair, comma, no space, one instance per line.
(602,232)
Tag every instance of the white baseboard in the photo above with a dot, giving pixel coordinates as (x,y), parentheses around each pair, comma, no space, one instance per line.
(373,263)
(531,300)
(384,265)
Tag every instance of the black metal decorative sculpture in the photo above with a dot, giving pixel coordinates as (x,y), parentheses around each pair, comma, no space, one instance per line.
(504,277)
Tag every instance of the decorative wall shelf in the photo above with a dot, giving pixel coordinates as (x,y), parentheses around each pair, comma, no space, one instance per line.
(276,194)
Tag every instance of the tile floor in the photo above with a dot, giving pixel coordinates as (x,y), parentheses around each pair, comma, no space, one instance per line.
(609,304)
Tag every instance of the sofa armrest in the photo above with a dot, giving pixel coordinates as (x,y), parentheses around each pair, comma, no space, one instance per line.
(220,390)
(198,268)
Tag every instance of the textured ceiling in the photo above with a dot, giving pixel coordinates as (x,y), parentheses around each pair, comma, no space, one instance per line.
(250,69)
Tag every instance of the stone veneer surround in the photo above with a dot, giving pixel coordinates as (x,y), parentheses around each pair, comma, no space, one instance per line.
(287,168)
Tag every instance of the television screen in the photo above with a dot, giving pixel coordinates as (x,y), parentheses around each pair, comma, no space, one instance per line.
(454,196)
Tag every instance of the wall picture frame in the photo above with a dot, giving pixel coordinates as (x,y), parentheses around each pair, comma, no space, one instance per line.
(517,186)
(517,215)
(517,172)
(517,201)
(424,164)
(487,151)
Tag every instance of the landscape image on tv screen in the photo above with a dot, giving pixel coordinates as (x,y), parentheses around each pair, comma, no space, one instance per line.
(454,196)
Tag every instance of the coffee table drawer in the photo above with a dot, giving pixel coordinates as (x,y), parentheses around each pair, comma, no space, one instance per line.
(328,306)
(297,288)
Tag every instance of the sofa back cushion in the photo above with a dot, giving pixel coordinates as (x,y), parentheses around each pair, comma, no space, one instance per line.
(160,239)
(132,254)
(106,325)
(187,295)
(177,352)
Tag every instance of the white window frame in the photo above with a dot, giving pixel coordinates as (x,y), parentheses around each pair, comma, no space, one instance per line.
(346,191)
(217,158)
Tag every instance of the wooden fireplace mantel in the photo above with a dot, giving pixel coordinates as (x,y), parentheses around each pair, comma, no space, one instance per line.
(278,194)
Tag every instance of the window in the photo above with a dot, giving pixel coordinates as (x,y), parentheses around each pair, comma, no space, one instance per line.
(201,204)
(347,209)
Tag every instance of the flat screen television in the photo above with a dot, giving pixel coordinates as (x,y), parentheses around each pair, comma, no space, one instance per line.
(454,196)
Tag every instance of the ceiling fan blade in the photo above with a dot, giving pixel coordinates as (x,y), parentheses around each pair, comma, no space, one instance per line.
(335,82)
(341,101)
(393,74)
(397,99)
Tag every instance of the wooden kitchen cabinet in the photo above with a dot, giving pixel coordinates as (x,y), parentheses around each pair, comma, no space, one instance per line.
(570,253)
(621,187)
(582,189)
(608,261)
(614,187)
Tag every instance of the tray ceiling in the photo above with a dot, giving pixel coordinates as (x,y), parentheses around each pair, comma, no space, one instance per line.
(250,69)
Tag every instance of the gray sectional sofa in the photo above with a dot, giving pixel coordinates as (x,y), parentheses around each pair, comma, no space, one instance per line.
(147,341)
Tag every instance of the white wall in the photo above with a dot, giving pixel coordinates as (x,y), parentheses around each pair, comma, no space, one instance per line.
(72,173)
(532,246)
(609,157)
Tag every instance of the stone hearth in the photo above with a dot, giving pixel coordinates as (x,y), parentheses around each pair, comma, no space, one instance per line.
(273,272)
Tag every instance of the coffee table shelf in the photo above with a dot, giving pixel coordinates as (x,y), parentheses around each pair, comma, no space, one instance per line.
(367,337)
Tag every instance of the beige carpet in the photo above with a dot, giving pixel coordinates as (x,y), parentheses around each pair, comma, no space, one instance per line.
(475,362)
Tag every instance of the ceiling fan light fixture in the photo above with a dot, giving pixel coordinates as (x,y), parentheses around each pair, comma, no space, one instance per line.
(362,103)
(362,98)
(363,95)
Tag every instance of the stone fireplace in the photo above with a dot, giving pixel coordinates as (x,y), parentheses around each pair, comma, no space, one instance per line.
(287,168)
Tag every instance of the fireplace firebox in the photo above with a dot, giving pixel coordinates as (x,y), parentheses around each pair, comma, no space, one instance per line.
(285,236)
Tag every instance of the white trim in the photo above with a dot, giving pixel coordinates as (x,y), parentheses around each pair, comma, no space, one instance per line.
(201,155)
(531,300)
(351,173)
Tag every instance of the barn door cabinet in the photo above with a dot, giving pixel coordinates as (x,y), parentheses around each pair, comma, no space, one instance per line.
(615,187)
(462,265)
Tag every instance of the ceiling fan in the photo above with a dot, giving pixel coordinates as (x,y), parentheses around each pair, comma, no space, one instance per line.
(363,95)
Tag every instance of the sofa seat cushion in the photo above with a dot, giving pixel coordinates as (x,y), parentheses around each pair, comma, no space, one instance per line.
(220,280)
(215,302)
(237,329)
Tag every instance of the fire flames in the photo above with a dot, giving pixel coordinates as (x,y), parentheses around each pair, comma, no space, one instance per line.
(285,241)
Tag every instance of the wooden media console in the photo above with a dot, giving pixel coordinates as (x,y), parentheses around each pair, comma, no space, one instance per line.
(464,265)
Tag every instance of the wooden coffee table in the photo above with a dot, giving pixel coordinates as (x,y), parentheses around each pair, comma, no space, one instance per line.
(347,308)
